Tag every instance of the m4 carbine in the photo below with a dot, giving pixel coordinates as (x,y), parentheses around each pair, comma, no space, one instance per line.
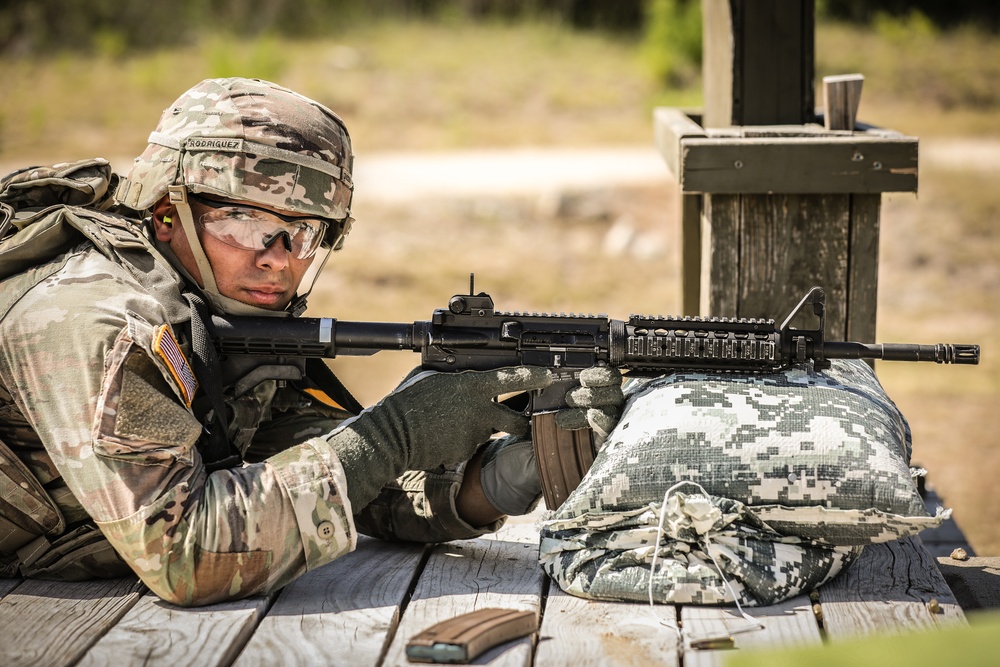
(471,335)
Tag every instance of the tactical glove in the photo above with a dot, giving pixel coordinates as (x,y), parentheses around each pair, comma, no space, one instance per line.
(431,419)
(596,404)
(509,474)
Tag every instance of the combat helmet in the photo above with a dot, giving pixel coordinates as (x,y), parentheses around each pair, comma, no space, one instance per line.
(247,140)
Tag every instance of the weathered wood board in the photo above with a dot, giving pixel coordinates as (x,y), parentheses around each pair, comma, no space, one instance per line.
(892,587)
(154,632)
(463,576)
(345,611)
(53,623)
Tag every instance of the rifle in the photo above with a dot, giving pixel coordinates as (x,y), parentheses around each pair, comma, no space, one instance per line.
(471,335)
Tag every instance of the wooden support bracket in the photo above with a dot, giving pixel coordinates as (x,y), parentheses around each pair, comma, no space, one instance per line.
(799,159)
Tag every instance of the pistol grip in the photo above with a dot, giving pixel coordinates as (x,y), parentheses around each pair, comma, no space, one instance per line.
(563,457)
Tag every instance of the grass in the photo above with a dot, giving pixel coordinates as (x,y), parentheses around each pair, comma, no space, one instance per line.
(424,86)
(399,87)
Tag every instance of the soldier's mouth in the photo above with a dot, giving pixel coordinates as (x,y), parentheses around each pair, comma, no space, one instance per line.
(265,296)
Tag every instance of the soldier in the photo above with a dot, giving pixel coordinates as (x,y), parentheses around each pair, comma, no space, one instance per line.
(120,447)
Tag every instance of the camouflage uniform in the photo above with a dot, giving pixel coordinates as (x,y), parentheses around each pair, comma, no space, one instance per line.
(96,395)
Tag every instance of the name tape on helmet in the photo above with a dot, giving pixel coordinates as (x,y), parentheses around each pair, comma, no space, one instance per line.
(210,144)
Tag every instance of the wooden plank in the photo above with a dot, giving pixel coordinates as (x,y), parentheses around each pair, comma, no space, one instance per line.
(670,127)
(584,633)
(888,589)
(53,623)
(772,61)
(463,576)
(691,253)
(717,62)
(604,633)
(826,164)
(787,244)
(155,632)
(343,612)
(862,278)
(720,259)
(841,97)
(7,585)
(790,623)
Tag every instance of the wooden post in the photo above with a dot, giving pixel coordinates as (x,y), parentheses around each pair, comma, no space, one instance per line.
(773,201)
(758,62)
(841,97)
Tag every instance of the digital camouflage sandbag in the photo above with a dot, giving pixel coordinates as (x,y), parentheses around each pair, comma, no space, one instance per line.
(771,484)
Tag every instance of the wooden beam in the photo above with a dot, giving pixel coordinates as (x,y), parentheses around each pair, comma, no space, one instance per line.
(798,165)
(776,159)
(773,62)
(862,270)
(757,64)
(717,62)
(691,253)
(670,127)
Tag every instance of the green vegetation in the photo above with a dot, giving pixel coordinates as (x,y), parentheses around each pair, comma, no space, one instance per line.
(421,84)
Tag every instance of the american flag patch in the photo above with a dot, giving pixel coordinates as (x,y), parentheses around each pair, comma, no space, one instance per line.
(165,345)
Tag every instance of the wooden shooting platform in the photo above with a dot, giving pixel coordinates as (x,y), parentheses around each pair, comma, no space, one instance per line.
(362,608)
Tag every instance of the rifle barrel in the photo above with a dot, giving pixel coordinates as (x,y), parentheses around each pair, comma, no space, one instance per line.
(941,353)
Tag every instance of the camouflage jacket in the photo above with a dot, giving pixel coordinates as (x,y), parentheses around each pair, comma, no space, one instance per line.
(95,402)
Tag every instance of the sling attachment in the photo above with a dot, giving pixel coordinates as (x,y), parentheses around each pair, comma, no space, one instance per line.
(320,374)
(216,450)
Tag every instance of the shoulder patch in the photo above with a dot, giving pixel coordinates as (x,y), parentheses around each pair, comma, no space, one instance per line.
(166,346)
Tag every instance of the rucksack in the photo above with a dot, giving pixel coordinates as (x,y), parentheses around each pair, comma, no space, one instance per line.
(45,211)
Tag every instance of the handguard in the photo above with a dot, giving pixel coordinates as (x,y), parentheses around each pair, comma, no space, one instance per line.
(463,638)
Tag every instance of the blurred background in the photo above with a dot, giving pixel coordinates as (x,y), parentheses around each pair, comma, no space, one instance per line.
(514,139)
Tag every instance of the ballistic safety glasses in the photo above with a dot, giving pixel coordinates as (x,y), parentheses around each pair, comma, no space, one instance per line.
(253,228)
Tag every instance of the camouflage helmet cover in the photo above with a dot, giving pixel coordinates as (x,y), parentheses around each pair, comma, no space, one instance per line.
(248,140)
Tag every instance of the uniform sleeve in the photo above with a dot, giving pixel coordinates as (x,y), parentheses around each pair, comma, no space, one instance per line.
(112,408)
(420,507)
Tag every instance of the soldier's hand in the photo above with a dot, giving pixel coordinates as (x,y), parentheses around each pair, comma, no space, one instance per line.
(597,402)
(431,419)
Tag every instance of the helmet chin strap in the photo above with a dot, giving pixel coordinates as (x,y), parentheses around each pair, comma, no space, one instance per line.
(178,197)
(225,304)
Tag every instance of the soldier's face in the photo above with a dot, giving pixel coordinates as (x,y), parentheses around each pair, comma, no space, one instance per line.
(265,278)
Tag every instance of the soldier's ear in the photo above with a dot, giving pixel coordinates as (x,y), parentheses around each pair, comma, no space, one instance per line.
(164,216)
